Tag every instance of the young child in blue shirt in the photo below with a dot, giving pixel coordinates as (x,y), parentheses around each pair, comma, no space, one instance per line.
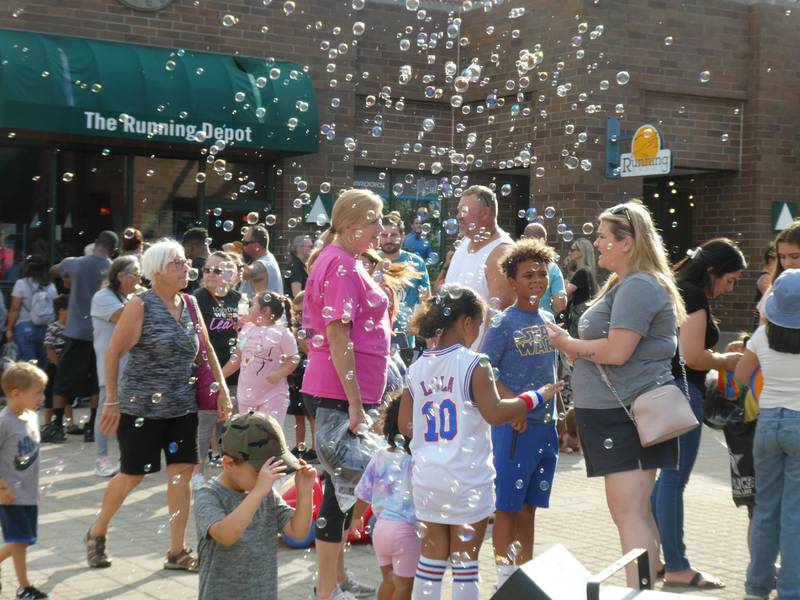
(519,349)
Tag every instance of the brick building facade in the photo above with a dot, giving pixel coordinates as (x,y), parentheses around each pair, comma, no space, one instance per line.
(734,137)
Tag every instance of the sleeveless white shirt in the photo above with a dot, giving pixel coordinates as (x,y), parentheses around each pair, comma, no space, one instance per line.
(469,269)
(451,448)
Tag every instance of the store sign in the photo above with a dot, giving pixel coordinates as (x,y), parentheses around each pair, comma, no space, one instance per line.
(319,210)
(646,157)
(96,122)
(371,180)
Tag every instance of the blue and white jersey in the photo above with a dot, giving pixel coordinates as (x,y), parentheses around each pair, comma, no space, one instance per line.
(451,448)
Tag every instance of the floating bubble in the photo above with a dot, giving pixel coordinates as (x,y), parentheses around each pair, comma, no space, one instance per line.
(173,448)
(170,65)
(519,484)
(288,7)
(451,226)
(358,4)
(623,77)
(668,41)
(588,228)
(317,341)
(359,28)
(586,164)
(138,422)
(376,131)
(252,218)
(530,214)
(505,190)
(608,443)
(568,235)
(539,172)
(270,220)
(200,178)
(544,485)
(397,189)
(67,177)
(192,274)
(571,162)
(148,467)
(322,523)
(549,212)
(705,76)
(428,124)
(229,20)
(227,225)
(724,137)
(466,533)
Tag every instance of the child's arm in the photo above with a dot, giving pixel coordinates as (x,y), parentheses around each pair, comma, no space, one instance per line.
(498,411)
(357,522)
(298,526)
(285,370)
(51,355)
(746,366)
(7,495)
(405,414)
(228,531)
(232,365)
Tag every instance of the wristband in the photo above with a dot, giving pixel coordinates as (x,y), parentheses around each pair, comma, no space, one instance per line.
(532,399)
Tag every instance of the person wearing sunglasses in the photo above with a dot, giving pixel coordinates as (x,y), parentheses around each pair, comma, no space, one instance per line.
(195,245)
(263,273)
(630,331)
(218,302)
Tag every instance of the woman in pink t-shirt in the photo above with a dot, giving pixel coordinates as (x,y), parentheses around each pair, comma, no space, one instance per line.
(347,327)
(266,355)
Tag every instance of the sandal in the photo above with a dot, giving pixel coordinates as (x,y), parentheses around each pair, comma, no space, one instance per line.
(96,554)
(701,581)
(181,561)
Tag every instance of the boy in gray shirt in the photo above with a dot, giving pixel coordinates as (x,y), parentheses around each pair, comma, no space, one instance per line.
(23,385)
(239,516)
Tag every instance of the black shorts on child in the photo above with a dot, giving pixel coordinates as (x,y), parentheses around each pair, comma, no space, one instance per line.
(19,523)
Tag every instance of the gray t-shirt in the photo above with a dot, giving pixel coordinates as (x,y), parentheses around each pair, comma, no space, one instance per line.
(19,455)
(642,305)
(85,274)
(274,277)
(249,568)
(105,303)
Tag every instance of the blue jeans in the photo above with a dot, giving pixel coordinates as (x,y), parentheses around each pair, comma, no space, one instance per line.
(667,498)
(100,439)
(30,341)
(776,520)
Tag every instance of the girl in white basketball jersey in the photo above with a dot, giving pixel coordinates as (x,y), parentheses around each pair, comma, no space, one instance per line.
(447,410)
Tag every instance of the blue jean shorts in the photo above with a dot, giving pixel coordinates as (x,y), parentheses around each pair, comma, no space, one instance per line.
(19,523)
(525,468)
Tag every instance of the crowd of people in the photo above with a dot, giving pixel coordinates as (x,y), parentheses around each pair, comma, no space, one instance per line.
(441,405)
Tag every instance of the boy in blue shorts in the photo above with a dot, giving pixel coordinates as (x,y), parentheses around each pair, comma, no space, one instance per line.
(519,348)
(23,385)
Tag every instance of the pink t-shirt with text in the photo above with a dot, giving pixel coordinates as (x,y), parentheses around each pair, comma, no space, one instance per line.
(260,351)
(339,287)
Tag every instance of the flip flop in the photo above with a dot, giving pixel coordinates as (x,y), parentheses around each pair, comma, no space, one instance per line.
(701,581)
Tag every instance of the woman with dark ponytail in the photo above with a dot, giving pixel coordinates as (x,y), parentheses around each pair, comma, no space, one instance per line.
(265,356)
(707,273)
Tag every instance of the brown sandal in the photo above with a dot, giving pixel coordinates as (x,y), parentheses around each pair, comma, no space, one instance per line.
(181,561)
(96,554)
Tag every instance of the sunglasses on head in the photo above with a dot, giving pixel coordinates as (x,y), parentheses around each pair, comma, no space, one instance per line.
(621,209)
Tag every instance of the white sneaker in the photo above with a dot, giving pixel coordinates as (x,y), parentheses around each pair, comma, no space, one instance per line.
(337,594)
(197,480)
(105,467)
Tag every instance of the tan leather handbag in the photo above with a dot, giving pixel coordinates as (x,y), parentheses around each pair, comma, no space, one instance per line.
(662,413)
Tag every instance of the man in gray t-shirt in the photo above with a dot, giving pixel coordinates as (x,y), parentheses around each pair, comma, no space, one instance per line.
(643,306)
(263,273)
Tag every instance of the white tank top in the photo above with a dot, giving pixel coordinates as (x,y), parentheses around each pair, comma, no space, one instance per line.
(469,269)
(452,443)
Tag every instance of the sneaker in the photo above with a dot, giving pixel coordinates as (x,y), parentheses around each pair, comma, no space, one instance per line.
(88,433)
(337,594)
(105,467)
(96,554)
(355,587)
(296,451)
(53,434)
(197,480)
(73,429)
(310,456)
(30,593)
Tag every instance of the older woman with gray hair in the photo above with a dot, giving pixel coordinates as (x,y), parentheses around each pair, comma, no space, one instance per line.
(296,275)
(154,408)
(121,282)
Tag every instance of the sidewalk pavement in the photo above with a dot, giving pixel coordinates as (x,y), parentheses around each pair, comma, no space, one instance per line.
(578,518)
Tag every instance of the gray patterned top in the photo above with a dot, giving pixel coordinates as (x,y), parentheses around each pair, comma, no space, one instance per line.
(158,382)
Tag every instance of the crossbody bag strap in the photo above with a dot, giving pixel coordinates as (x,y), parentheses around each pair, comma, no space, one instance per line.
(682,363)
(607,381)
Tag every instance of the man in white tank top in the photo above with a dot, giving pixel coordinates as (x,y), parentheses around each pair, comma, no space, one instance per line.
(474,262)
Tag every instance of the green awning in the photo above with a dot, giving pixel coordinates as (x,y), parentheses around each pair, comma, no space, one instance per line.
(94,88)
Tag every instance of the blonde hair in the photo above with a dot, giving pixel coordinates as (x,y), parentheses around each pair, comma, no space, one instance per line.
(352,207)
(22,376)
(648,254)
(589,259)
(156,258)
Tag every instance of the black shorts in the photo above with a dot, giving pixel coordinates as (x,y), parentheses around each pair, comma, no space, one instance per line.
(739,437)
(77,370)
(296,406)
(140,447)
(611,444)
(19,523)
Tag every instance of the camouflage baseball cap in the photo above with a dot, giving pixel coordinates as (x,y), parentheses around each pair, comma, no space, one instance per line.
(256,437)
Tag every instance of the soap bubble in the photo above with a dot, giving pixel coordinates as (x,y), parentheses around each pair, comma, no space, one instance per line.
(568,235)
(466,533)
(322,523)
(505,190)
(428,124)
(67,177)
(705,76)
(668,40)
(623,77)
(588,228)
(544,485)
(229,20)
(608,443)
(549,212)
(530,214)
(724,137)
(192,274)
(519,484)
(138,422)
(451,226)
(358,28)
(422,530)
(227,225)
(200,177)
(252,218)
(172,447)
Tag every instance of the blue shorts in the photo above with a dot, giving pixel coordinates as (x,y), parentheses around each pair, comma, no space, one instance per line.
(19,523)
(526,478)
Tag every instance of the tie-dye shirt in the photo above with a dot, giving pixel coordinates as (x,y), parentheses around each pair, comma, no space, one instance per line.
(386,484)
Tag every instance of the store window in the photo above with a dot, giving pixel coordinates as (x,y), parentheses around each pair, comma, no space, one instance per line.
(25,215)
(164,196)
(91,198)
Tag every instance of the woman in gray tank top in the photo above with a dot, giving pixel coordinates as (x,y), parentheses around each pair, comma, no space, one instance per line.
(154,408)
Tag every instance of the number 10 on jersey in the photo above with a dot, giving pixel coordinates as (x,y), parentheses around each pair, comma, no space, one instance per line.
(442,423)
